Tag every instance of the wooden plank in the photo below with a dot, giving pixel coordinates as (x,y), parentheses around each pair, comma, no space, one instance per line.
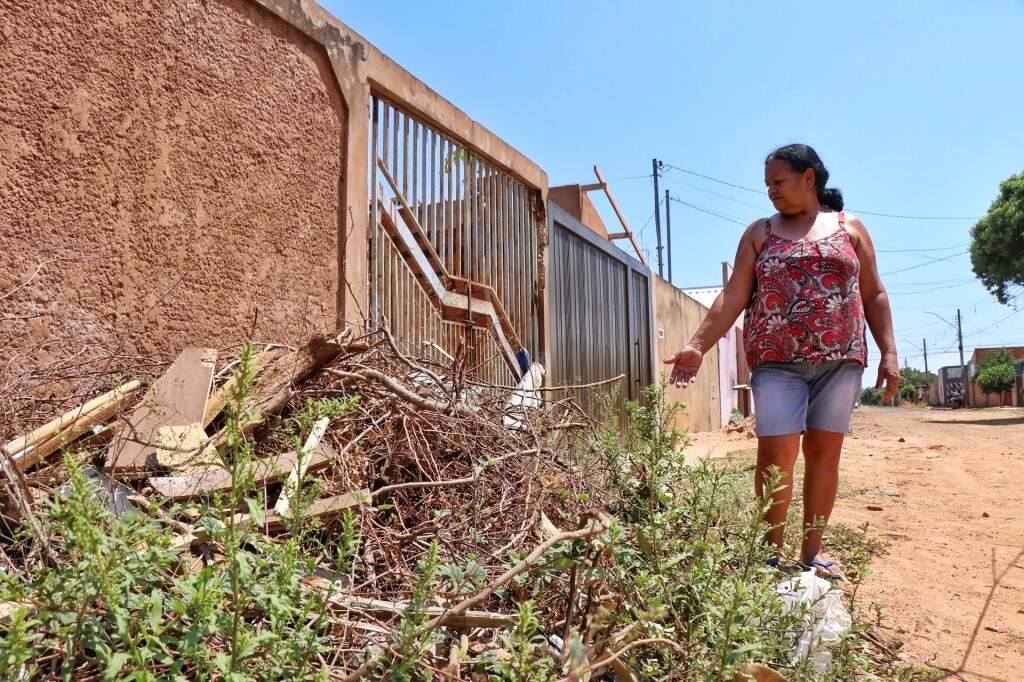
(220,397)
(298,471)
(37,451)
(387,610)
(618,213)
(593,187)
(217,479)
(326,507)
(177,398)
(55,426)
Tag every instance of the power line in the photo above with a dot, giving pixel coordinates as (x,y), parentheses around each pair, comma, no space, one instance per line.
(731,219)
(857,210)
(1000,320)
(715,194)
(921,265)
(721,182)
(640,235)
(941,248)
(923,291)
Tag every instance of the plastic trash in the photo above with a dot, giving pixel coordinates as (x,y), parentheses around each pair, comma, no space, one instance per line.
(825,619)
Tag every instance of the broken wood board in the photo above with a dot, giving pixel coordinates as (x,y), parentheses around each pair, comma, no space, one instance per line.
(177,398)
(179,447)
(292,483)
(322,508)
(273,388)
(387,610)
(30,449)
(220,397)
(216,478)
(326,507)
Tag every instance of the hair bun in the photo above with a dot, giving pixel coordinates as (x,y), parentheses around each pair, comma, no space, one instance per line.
(832,198)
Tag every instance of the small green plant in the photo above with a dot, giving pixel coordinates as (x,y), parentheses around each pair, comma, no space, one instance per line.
(121,602)
(735,416)
(526,657)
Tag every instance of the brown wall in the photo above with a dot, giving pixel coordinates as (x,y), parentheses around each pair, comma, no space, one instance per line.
(576,202)
(175,166)
(178,166)
(676,318)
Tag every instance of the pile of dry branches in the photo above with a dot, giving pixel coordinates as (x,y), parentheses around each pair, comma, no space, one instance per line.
(426,453)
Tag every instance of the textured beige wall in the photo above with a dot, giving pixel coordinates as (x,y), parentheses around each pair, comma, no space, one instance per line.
(176,168)
(676,318)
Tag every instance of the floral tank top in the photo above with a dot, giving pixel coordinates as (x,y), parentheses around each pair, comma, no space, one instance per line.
(807,305)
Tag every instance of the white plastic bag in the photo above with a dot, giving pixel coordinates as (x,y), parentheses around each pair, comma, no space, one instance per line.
(825,619)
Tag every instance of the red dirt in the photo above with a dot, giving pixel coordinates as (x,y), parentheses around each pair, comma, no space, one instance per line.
(951,498)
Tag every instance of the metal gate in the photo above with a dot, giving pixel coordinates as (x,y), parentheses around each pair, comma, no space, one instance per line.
(453,247)
(601,317)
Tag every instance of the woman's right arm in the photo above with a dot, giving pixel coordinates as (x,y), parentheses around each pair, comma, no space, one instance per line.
(724,311)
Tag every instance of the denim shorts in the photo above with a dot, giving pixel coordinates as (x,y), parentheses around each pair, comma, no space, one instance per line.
(790,397)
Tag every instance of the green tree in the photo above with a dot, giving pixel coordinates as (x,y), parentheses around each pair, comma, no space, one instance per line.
(871,396)
(915,378)
(996,373)
(997,252)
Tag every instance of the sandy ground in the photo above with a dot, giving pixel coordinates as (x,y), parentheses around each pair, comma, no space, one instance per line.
(949,498)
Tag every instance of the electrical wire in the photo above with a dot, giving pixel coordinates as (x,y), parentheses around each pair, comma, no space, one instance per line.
(723,216)
(715,194)
(921,265)
(857,210)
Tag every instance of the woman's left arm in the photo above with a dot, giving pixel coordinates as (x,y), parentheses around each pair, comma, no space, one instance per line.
(876,307)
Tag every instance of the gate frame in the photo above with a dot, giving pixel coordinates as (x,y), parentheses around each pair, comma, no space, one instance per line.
(556,215)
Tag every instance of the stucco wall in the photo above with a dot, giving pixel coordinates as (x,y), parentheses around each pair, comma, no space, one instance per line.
(175,166)
(676,318)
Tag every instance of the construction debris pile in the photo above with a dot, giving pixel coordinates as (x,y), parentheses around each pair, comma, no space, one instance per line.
(342,435)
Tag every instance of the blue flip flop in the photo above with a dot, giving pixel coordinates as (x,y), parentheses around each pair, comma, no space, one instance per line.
(826,566)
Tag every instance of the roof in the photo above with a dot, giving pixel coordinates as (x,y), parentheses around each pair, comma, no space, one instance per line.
(706,297)
(703,295)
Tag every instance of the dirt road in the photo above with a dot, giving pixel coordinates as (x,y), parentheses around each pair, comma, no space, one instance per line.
(946,490)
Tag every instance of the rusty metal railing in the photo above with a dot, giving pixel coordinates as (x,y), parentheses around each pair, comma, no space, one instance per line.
(479,222)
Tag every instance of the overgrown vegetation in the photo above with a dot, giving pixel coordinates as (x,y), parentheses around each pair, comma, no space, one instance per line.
(678,583)
(996,372)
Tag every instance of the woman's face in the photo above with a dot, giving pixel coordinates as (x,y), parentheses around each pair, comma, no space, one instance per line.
(789,191)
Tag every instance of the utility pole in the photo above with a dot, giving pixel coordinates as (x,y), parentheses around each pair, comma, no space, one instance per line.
(925,346)
(668,234)
(655,165)
(963,368)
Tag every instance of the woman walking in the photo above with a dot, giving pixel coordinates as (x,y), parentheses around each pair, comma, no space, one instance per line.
(808,280)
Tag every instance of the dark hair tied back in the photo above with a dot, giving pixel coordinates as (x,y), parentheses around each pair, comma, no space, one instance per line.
(801,157)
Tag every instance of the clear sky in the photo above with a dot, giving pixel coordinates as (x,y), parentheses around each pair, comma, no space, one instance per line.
(916,107)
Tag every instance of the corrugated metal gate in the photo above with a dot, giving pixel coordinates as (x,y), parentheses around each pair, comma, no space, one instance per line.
(453,246)
(601,316)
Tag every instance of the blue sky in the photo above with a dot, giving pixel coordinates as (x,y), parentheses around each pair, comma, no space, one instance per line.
(917,108)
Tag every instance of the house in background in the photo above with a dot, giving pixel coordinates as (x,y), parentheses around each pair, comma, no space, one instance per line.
(734,374)
(1011,398)
(948,388)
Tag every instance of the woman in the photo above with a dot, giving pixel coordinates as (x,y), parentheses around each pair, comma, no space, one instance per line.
(808,281)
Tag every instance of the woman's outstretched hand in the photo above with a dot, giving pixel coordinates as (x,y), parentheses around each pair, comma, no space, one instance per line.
(685,364)
(889,375)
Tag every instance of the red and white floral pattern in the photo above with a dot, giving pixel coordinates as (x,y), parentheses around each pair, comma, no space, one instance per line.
(807,305)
